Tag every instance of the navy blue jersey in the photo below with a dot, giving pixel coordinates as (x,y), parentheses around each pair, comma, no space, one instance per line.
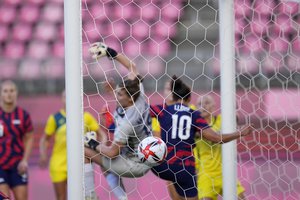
(179,124)
(13,126)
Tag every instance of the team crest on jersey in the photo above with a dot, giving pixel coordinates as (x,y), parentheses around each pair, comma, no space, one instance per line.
(1,130)
(61,121)
(16,122)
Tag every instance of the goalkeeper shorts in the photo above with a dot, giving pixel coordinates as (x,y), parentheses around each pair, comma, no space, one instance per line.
(125,166)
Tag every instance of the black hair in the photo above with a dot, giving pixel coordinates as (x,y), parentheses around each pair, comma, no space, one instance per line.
(132,87)
(179,89)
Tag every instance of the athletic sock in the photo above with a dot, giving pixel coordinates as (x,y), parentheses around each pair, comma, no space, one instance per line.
(115,183)
(89,182)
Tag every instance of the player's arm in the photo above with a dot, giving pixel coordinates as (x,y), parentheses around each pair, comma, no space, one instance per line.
(45,140)
(110,151)
(44,145)
(128,64)
(100,49)
(28,142)
(211,135)
(121,136)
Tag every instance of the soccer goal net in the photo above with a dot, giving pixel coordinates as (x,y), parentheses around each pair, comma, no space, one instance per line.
(177,37)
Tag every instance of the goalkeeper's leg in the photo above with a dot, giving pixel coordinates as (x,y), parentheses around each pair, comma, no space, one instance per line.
(115,183)
(89,183)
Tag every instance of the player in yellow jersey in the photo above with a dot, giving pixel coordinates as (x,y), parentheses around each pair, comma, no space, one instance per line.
(56,128)
(208,156)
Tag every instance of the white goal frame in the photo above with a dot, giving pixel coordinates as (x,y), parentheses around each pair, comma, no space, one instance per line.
(74,102)
(74,97)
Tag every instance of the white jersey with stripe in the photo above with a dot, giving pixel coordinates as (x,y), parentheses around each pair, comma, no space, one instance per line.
(132,125)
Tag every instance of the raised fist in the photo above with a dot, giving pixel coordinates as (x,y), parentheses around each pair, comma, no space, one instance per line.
(98,50)
(90,140)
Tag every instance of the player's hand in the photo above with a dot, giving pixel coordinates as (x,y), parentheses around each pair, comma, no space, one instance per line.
(98,50)
(22,167)
(43,161)
(90,140)
(246,130)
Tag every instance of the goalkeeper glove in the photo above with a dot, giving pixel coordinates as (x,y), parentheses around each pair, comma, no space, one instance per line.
(90,140)
(99,49)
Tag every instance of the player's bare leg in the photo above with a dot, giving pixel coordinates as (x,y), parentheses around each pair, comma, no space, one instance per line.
(174,195)
(20,192)
(4,188)
(172,191)
(60,189)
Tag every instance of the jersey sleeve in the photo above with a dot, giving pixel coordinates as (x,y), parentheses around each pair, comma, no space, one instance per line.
(123,132)
(193,107)
(28,123)
(155,125)
(217,125)
(50,125)
(90,123)
(199,121)
(155,110)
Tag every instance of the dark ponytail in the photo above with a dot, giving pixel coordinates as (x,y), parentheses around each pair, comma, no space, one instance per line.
(179,89)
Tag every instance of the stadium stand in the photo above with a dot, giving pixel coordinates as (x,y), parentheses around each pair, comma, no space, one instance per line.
(138,26)
(267,57)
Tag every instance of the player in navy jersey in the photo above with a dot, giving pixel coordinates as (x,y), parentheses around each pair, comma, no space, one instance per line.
(179,126)
(15,143)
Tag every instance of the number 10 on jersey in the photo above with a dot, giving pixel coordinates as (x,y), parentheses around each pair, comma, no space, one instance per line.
(181,126)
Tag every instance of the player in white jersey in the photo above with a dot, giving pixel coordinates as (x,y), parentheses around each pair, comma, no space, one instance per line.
(132,120)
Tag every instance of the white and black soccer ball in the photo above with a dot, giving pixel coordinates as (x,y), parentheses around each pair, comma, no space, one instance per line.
(152,151)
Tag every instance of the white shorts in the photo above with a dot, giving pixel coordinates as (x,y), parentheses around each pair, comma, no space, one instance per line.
(124,166)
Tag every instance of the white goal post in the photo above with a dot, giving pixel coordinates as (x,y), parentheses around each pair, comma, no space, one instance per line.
(228,97)
(74,102)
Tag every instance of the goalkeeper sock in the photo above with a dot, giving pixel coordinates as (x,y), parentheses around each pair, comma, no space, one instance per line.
(115,183)
(89,182)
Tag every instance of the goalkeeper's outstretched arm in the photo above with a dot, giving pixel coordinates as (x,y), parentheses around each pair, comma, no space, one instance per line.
(100,49)
(133,73)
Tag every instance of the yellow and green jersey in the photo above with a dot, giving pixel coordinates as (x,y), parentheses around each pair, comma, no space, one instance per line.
(56,125)
(208,155)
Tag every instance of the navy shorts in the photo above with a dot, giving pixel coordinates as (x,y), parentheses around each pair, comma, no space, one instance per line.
(12,177)
(184,178)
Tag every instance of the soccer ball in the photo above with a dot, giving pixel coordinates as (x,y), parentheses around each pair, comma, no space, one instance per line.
(152,151)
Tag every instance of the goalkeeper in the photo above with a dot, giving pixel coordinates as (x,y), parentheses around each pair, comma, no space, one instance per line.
(132,121)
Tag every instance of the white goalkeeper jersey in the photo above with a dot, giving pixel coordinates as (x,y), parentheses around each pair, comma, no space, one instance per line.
(132,125)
